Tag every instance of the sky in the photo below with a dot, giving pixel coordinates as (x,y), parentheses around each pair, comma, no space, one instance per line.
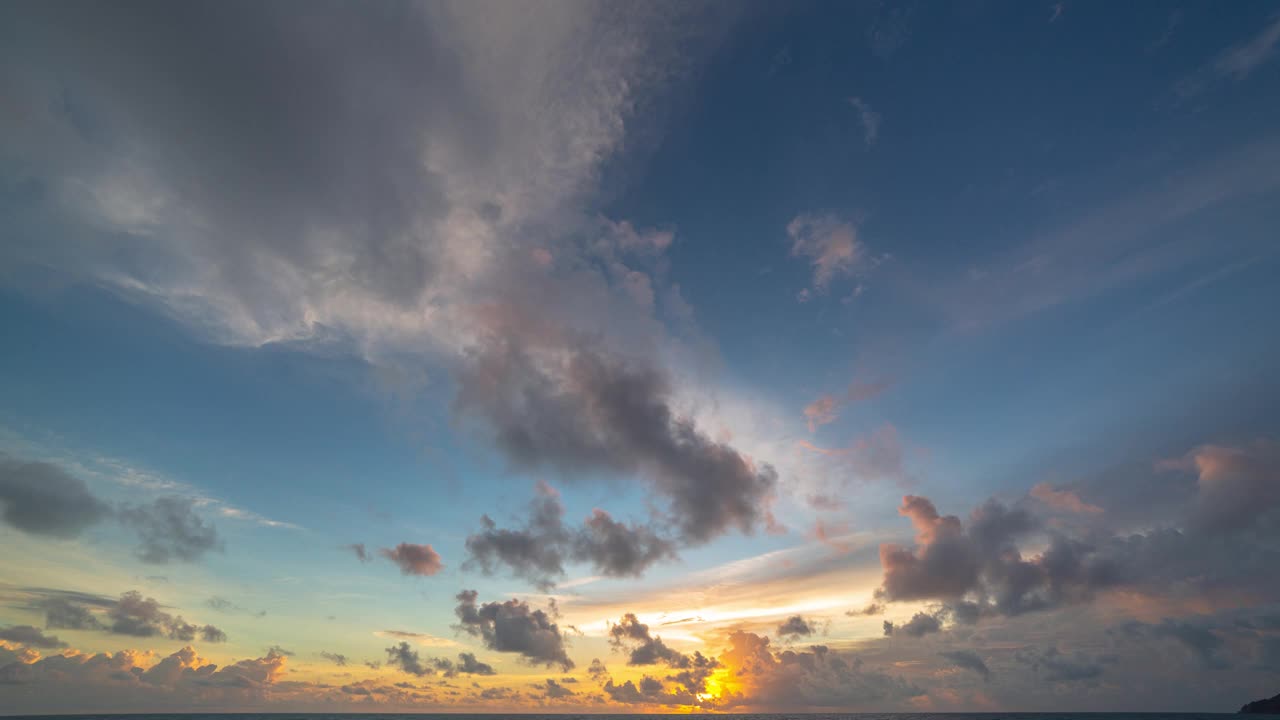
(639,357)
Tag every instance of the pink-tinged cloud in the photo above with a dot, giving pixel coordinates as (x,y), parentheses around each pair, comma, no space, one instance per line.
(829,534)
(1236,486)
(1063,500)
(831,245)
(876,456)
(414,559)
(826,408)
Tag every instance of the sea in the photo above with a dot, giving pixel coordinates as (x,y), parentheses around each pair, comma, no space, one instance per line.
(646,716)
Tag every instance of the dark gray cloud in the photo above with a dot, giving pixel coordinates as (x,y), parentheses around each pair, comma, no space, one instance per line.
(538,551)
(413,559)
(871,609)
(1201,643)
(644,648)
(31,637)
(555,690)
(169,529)
(131,614)
(968,660)
(360,552)
(597,670)
(977,568)
(1054,666)
(407,659)
(919,625)
(514,627)
(43,499)
(795,626)
(600,413)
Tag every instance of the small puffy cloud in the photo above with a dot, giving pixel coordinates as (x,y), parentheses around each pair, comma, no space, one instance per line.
(514,627)
(830,244)
(968,660)
(336,658)
(169,529)
(554,690)
(42,499)
(795,626)
(362,554)
(919,625)
(407,659)
(414,559)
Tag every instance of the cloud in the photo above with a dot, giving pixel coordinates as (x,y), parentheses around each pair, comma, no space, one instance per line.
(336,658)
(817,678)
(795,626)
(1065,500)
(30,637)
(408,660)
(919,625)
(825,409)
(538,551)
(555,690)
(514,627)
(169,529)
(645,649)
(413,559)
(132,614)
(1200,643)
(870,120)
(360,552)
(1056,667)
(830,244)
(877,456)
(594,411)
(1235,63)
(968,660)
(1237,487)
(43,499)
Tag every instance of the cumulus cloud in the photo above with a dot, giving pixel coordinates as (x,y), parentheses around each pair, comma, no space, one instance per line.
(43,499)
(590,410)
(919,625)
(1237,487)
(362,554)
(414,559)
(816,678)
(870,120)
(407,659)
(644,648)
(537,552)
(72,681)
(555,690)
(169,529)
(795,626)
(514,627)
(968,660)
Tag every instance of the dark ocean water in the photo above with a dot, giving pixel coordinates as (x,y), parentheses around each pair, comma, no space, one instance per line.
(645,716)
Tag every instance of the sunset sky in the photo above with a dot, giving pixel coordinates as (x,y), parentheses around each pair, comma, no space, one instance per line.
(639,356)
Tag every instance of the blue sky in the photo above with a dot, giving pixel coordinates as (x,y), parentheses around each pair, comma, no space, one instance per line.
(940,330)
